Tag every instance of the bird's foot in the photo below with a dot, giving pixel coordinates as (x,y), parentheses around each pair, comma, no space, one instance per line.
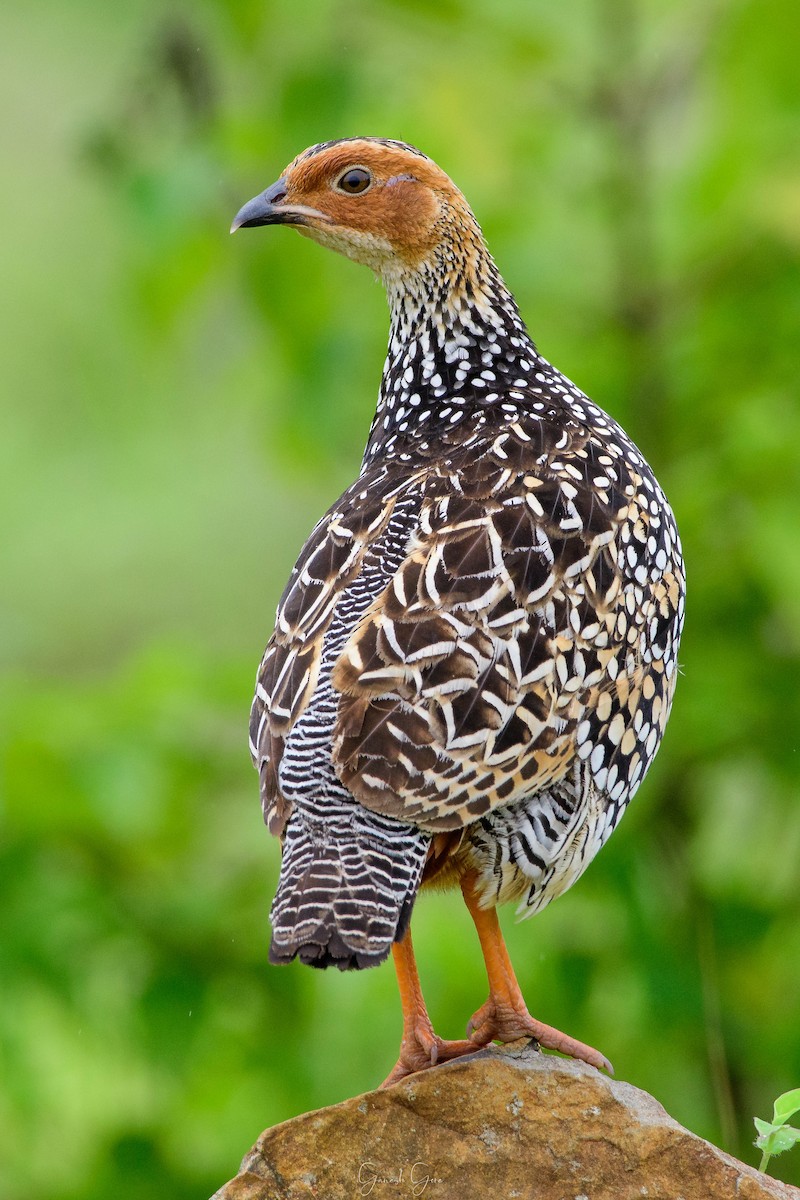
(421,1049)
(498,1021)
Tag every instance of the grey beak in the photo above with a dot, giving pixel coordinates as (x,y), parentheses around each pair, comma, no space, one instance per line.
(265,210)
(269,209)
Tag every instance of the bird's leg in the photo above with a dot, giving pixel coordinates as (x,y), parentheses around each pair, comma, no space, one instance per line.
(504,1017)
(420,1047)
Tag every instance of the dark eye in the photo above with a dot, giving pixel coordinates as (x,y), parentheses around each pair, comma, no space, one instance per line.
(354,181)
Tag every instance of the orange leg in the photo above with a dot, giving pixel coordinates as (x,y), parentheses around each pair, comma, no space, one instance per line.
(420,1047)
(504,1017)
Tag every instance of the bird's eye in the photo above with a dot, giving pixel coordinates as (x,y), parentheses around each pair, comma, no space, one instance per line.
(354,181)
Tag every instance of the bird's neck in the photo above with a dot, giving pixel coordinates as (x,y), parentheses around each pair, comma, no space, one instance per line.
(457,347)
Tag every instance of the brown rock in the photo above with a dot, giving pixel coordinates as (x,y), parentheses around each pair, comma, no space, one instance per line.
(497,1124)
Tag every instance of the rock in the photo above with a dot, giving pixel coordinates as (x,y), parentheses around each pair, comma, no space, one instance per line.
(501,1123)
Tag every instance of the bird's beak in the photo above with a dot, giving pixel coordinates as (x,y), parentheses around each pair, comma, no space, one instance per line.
(270,209)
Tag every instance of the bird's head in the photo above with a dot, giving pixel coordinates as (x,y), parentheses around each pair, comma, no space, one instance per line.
(379,202)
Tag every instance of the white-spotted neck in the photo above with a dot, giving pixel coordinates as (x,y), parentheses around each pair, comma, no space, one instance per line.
(457,346)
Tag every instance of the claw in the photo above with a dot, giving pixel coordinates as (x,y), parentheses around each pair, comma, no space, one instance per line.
(496,1021)
(423,1050)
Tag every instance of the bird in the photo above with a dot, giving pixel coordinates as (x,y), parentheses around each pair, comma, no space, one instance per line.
(475,655)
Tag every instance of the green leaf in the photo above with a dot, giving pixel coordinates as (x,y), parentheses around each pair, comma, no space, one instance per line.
(782,1139)
(786,1106)
(765,1128)
(775,1139)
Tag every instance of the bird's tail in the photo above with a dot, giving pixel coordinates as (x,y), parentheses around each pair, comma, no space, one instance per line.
(346,889)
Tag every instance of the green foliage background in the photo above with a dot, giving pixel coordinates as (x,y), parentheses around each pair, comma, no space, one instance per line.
(179,408)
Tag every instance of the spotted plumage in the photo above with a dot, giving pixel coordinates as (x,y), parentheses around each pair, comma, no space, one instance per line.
(475,656)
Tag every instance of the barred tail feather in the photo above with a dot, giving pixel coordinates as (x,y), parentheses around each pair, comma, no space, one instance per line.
(346,890)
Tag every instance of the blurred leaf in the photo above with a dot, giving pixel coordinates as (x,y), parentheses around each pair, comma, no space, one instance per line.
(786,1106)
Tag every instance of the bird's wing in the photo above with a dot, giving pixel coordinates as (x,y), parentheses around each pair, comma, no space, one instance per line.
(331,561)
(528,624)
